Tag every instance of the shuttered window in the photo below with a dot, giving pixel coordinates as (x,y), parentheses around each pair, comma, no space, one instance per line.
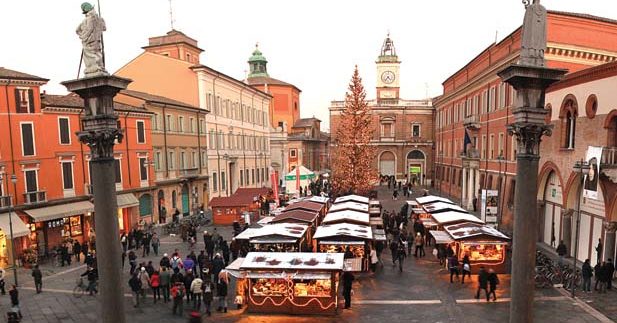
(141,133)
(31,182)
(143,169)
(27,139)
(64,129)
(24,101)
(118,171)
(67,176)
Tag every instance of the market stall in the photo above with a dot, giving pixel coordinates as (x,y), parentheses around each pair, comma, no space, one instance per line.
(302,217)
(439,207)
(354,206)
(484,245)
(299,178)
(280,237)
(450,217)
(352,198)
(292,283)
(347,216)
(374,208)
(432,199)
(307,206)
(338,237)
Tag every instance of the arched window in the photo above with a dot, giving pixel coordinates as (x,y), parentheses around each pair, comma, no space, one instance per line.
(610,124)
(568,115)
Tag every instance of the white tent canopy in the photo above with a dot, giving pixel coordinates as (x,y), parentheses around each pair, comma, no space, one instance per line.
(355,206)
(438,207)
(467,229)
(344,229)
(347,216)
(432,199)
(300,176)
(352,197)
(455,217)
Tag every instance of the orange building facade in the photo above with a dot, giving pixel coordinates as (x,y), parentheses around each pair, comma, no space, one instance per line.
(476,102)
(52,191)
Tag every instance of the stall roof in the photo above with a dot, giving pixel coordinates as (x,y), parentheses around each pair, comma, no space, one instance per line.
(413,204)
(344,229)
(347,216)
(297,214)
(319,199)
(432,199)
(349,206)
(455,217)
(304,205)
(234,268)
(379,234)
(441,236)
(247,234)
(265,220)
(467,230)
(438,207)
(374,202)
(352,198)
(291,230)
(293,260)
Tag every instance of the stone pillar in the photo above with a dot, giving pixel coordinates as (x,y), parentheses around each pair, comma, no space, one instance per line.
(100,133)
(464,199)
(609,240)
(476,187)
(566,226)
(530,78)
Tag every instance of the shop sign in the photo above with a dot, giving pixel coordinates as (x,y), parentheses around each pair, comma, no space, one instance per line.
(489,206)
(415,169)
(55,223)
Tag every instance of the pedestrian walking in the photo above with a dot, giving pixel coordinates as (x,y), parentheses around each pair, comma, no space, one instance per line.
(208,290)
(374,260)
(155,284)
(155,242)
(395,195)
(419,242)
(561,251)
(38,279)
(410,239)
(597,271)
(493,281)
(14,295)
(394,251)
(196,290)
(77,251)
(610,270)
(144,278)
(587,272)
(401,256)
(226,252)
(165,261)
(453,267)
(177,294)
(135,285)
(466,268)
(482,283)
(188,280)
(217,265)
(124,240)
(188,265)
(164,281)
(348,279)
(92,275)
(221,293)
(132,261)
(603,278)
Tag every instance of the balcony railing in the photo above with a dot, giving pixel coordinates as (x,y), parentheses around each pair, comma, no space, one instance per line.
(189,172)
(35,197)
(5,201)
(609,156)
(470,153)
(472,122)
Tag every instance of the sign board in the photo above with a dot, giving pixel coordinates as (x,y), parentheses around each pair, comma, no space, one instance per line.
(415,169)
(590,188)
(489,207)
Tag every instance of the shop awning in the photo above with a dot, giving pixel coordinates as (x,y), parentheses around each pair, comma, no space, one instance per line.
(127,200)
(441,236)
(234,268)
(359,243)
(310,275)
(60,211)
(19,227)
(275,275)
(271,241)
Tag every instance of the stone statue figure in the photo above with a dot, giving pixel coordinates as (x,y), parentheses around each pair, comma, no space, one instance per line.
(533,42)
(90,32)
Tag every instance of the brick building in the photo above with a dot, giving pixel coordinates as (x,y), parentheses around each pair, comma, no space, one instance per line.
(583,112)
(308,145)
(403,129)
(52,193)
(475,101)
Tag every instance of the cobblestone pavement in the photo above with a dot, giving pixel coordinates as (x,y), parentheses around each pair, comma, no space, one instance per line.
(421,293)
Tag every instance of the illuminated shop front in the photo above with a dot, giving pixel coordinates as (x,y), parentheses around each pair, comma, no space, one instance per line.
(279,237)
(336,238)
(484,245)
(292,283)
(21,234)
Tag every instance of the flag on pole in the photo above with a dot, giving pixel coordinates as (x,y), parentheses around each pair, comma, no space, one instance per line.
(466,142)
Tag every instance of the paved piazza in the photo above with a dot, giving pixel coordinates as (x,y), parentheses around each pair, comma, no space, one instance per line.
(421,293)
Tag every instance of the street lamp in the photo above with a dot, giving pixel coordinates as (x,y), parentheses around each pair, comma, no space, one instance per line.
(11,208)
(582,167)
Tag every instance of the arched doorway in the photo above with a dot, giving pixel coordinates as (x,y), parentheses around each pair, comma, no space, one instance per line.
(387,163)
(185,200)
(552,200)
(160,198)
(145,205)
(416,161)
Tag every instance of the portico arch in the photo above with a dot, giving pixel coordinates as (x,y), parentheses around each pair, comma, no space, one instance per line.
(387,163)
(416,166)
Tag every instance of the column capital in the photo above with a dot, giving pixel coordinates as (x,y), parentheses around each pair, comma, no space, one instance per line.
(610,227)
(528,136)
(101,142)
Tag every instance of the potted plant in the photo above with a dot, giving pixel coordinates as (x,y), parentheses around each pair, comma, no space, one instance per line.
(29,257)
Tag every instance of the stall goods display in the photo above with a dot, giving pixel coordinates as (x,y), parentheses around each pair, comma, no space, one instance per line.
(315,288)
(358,251)
(269,287)
(483,252)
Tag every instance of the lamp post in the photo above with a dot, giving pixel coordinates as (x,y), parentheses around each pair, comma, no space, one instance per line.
(227,175)
(581,167)
(12,208)
(530,77)
(100,133)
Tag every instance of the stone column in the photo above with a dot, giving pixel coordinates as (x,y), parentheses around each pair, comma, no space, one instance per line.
(100,133)
(530,78)
(566,226)
(609,240)
(476,187)
(464,199)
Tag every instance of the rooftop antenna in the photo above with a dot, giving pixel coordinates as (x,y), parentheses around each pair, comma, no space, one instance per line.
(171,15)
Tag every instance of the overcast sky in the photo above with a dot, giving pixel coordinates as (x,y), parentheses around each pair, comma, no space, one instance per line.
(311,44)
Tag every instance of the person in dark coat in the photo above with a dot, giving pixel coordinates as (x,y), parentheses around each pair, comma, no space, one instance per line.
(221,292)
(38,279)
(602,277)
(610,270)
(453,267)
(348,279)
(135,285)
(587,274)
(348,254)
(77,251)
(165,261)
(493,281)
(482,283)
(14,295)
(561,251)
(132,261)
(225,250)
(93,276)
(597,271)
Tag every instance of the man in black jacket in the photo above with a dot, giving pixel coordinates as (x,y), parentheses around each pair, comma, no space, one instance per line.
(93,276)
(610,270)
(348,279)
(482,283)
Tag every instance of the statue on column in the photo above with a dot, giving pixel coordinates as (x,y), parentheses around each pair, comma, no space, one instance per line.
(533,43)
(90,32)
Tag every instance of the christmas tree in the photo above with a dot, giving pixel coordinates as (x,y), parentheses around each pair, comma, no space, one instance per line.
(352,170)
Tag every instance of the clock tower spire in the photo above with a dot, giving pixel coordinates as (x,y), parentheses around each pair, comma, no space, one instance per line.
(388,71)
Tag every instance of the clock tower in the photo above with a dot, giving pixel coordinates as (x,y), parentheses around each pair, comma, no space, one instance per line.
(388,72)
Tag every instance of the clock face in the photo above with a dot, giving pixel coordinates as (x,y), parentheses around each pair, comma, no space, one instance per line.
(387,77)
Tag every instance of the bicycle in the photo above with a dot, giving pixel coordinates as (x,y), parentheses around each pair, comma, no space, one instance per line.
(81,289)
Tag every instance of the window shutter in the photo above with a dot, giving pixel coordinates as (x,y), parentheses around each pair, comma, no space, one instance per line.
(18,108)
(67,175)
(31,185)
(118,171)
(64,131)
(31,100)
(27,139)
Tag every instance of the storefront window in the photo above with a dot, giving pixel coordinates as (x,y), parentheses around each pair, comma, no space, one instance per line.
(269,287)
(120,220)
(313,287)
(75,223)
(483,252)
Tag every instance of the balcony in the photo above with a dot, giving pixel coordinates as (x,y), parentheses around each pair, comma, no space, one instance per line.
(472,122)
(35,197)
(471,153)
(189,172)
(5,201)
